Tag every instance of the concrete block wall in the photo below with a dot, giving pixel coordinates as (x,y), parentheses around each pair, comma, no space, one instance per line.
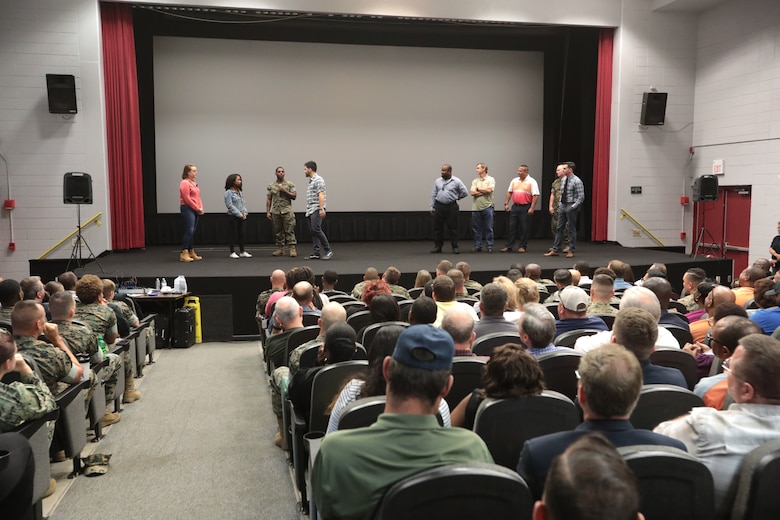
(737,111)
(39,37)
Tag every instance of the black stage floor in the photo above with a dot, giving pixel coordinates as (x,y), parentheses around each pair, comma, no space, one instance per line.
(242,279)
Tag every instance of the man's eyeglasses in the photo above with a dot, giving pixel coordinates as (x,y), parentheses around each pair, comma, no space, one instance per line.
(708,339)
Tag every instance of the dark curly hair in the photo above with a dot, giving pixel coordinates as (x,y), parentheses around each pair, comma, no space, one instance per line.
(512,372)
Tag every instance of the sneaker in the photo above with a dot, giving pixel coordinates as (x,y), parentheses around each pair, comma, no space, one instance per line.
(244,254)
(328,255)
(313,256)
(233,255)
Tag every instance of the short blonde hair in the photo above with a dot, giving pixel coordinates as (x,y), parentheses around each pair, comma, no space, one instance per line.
(527,291)
(512,300)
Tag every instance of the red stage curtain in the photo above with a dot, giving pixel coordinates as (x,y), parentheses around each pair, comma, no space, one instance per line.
(601,150)
(123,130)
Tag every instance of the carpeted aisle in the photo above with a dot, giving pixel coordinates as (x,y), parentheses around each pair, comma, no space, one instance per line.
(199,445)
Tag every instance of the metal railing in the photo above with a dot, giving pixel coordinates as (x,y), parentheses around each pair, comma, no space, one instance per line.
(624,214)
(93,220)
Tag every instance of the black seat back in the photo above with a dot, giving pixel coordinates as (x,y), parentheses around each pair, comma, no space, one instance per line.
(484,345)
(466,375)
(659,403)
(559,371)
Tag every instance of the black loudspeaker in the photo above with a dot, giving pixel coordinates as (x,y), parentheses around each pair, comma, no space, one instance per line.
(62,93)
(653,108)
(705,188)
(77,188)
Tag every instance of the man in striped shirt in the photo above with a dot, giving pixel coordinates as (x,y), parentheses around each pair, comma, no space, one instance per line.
(572,197)
(315,212)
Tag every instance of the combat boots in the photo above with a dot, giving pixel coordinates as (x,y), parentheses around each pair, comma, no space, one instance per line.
(293,252)
(131,394)
(279,251)
(185,256)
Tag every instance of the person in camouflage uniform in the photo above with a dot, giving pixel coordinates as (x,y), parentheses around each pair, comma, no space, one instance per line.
(555,201)
(82,340)
(93,311)
(10,293)
(56,363)
(109,291)
(369,275)
(24,400)
(277,284)
(278,209)
(602,289)
(391,277)
(465,268)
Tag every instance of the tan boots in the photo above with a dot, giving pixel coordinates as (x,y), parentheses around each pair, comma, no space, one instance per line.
(279,438)
(195,255)
(131,394)
(293,252)
(185,256)
(279,251)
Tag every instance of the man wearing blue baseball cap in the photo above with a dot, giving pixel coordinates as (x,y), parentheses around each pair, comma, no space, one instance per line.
(354,468)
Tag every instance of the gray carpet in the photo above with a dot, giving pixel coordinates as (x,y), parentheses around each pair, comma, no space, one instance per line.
(199,445)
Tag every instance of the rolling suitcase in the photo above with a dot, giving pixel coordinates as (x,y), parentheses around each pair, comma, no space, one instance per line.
(183,328)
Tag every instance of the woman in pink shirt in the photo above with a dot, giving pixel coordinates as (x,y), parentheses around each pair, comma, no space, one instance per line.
(191,209)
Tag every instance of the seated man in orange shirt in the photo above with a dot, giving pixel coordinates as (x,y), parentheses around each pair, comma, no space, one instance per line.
(719,295)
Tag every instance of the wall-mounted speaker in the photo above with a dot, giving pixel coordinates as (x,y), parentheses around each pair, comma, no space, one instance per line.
(653,108)
(705,188)
(77,188)
(61,89)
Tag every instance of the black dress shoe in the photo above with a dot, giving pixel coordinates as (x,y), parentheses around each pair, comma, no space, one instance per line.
(455,251)
(436,251)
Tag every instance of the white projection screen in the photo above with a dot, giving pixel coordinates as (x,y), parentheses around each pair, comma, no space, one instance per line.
(378,120)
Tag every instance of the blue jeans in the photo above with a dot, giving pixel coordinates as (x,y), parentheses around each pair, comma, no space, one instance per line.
(190,223)
(567,217)
(482,227)
(518,220)
(318,237)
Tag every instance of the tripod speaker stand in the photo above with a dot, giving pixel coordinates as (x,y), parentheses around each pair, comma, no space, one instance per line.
(77,189)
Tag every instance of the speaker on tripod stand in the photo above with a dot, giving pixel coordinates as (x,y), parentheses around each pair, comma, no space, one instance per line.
(77,189)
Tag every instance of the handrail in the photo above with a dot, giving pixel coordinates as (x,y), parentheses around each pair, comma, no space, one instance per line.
(625,213)
(70,235)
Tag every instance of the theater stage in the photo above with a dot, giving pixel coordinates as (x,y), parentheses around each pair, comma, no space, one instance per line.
(229,287)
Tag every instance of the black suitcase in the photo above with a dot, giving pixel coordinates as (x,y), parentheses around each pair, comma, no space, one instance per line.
(183,328)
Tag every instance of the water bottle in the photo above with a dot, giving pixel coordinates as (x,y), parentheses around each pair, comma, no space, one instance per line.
(183,285)
(164,283)
(102,345)
(157,284)
(179,284)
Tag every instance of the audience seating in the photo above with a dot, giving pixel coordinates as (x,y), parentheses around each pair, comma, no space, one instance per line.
(326,385)
(333,292)
(678,307)
(353,307)
(308,357)
(37,433)
(362,412)
(609,319)
(559,371)
(751,304)
(415,292)
(756,486)
(405,306)
(553,308)
(681,334)
(97,405)
(551,288)
(398,297)
(311,320)
(340,298)
(298,338)
(484,346)
(70,432)
(7,326)
(370,331)
(473,291)
(674,485)
(359,320)
(679,359)
(505,424)
(659,403)
(567,339)
(121,346)
(466,375)
(471,490)
(468,300)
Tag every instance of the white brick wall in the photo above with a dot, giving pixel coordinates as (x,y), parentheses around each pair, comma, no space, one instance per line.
(738,101)
(39,37)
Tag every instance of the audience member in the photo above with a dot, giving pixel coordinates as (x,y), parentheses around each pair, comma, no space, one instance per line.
(405,439)
(575,277)
(663,291)
(58,366)
(608,390)
(369,275)
(460,325)
(444,296)
(465,268)
(32,288)
(537,329)
(590,480)
(10,293)
(699,296)
(52,288)
(722,439)
(492,305)
(719,295)
(332,313)
(68,280)
(329,280)
(423,311)
(277,280)
(635,297)
(747,280)
(510,373)
(602,290)
(584,269)
(513,309)
(527,291)
(562,278)
(303,293)
(339,345)
(372,382)
(637,331)
(392,276)
(768,316)
(690,280)
(373,288)
(459,281)
(572,312)
(624,276)
(422,278)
